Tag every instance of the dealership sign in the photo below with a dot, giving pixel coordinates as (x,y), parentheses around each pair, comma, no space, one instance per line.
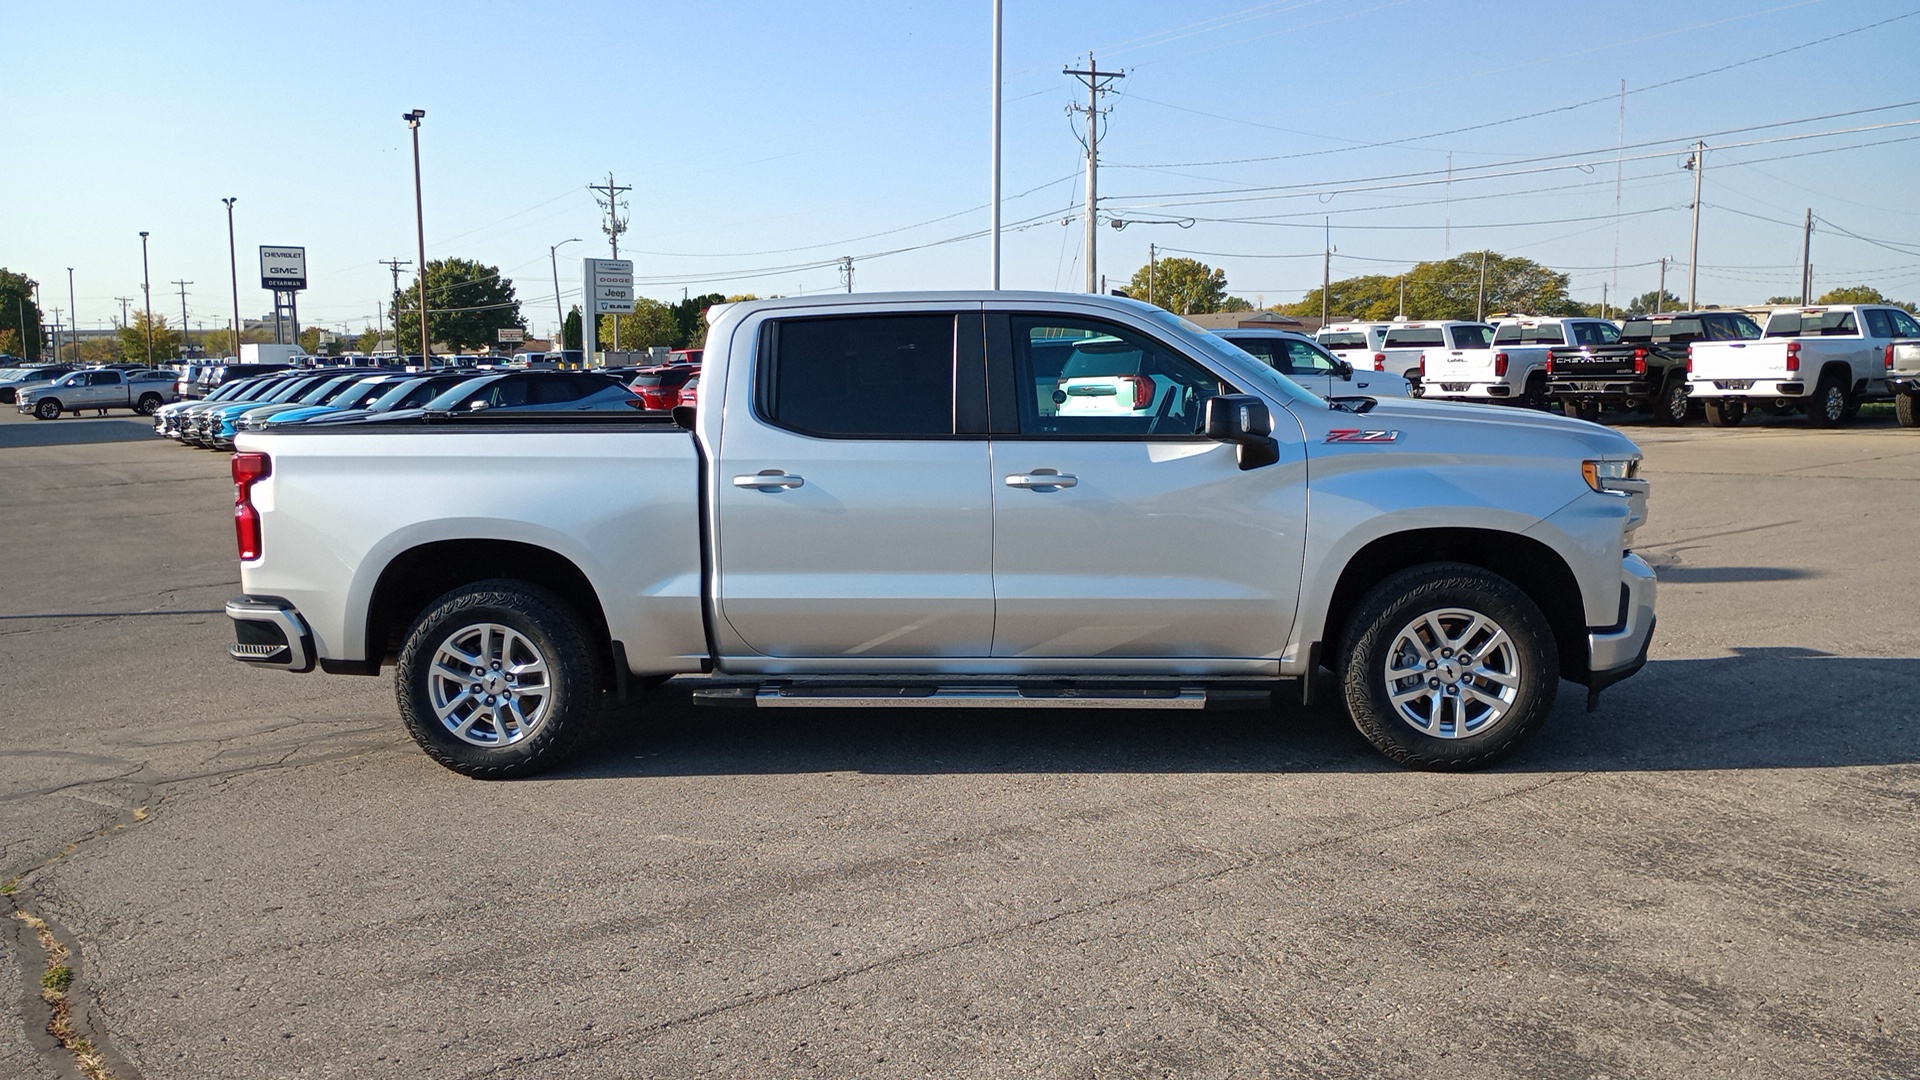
(610,286)
(511,335)
(283,268)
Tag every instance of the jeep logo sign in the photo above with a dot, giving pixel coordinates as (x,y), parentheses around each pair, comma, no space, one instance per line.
(283,268)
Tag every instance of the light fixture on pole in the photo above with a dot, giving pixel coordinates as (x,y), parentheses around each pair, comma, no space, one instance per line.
(413,119)
(561,325)
(233,263)
(146,290)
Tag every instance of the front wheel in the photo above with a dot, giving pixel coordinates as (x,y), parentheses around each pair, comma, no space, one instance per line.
(497,680)
(1449,666)
(1725,412)
(1906,409)
(47,409)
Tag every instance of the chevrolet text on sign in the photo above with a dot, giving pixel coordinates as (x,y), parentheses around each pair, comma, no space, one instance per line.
(283,267)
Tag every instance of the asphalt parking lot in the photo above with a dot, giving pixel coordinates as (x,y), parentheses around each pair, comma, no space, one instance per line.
(1714,875)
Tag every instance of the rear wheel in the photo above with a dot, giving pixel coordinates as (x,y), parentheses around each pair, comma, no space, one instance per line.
(149,404)
(1906,409)
(1671,406)
(1449,666)
(1581,410)
(1828,405)
(497,679)
(1535,395)
(1725,412)
(47,409)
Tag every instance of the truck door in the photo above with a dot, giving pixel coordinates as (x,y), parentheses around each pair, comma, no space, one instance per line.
(1121,533)
(853,506)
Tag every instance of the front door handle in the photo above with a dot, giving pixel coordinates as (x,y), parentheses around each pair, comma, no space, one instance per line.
(1042,480)
(768,480)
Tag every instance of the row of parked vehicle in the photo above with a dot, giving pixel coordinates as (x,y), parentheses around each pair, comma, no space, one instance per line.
(335,396)
(1823,361)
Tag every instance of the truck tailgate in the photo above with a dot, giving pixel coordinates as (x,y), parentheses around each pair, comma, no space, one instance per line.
(1605,361)
(1721,360)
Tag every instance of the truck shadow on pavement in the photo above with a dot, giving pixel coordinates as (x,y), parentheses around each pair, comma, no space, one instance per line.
(75,430)
(1764,708)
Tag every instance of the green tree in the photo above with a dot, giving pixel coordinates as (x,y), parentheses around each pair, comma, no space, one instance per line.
(468,303)
(368,341)
(1449,289)
(19,313)
(1860,294)
(652,323)
(691,314)
(133,340)
(1181,285)
(572,332)
(1649,302)
(10,343)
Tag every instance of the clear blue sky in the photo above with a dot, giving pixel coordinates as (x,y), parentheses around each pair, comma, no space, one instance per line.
(765,140)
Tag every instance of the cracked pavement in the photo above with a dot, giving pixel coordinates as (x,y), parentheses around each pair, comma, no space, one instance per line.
(1714,875)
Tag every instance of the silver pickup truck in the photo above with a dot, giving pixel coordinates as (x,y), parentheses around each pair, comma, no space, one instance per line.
(900,500)
(98,389)
(1823,361)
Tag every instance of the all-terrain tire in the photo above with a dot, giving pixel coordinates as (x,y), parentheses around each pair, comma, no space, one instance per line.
(1906,409)
(500,679)
(1479,702)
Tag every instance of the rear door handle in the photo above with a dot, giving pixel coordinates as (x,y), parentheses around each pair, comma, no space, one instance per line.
(1042,480)
(768,480)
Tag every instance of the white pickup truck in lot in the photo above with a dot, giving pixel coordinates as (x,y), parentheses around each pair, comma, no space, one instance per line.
(1825,361)
(1410,349)
(1514,367)
(889,500)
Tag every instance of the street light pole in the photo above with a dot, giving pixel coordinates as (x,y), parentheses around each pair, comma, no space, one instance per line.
(146,290)
(233,263)
(561,325)
(993,275)
(413,119)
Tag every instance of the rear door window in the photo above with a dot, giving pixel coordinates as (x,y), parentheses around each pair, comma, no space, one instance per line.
(1878,325)
(865,376)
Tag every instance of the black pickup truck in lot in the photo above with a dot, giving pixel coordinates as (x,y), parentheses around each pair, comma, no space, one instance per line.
(1646,370)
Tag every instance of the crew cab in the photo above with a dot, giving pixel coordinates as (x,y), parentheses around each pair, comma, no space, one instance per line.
(1354,342)
(143,391)
(1411,349)
(879,501)
(1303,360)
(1514,368)
(1646,368)
(1824,361)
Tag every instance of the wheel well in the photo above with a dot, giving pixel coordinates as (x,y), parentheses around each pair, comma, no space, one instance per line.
(1537,569)
(1839,372)
(421,575)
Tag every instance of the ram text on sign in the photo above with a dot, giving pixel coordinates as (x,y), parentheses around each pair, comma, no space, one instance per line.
(282,267)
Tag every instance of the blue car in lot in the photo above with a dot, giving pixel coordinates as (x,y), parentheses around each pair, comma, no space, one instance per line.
(214,427)
(526,391)
(359,390)
(412,391)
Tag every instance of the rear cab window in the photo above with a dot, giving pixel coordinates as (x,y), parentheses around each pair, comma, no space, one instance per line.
(1415,338)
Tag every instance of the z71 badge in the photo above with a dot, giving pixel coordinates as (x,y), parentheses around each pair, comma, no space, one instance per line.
(1355,435)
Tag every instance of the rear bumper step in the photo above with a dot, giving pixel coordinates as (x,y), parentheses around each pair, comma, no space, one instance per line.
(267,630)
(998,695)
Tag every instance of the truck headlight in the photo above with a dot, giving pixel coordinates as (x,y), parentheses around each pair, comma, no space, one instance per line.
(1614,477)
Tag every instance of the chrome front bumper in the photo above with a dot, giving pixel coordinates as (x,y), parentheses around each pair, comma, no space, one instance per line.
(1617,652)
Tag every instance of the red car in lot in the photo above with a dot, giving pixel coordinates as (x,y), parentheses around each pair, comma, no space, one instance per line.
(660,388)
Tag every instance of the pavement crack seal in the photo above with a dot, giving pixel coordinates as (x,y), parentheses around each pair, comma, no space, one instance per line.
(64,1028)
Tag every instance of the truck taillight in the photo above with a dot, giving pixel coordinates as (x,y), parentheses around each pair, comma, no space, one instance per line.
(248,469)
(1889,356)
(1549,363)
(1689,358)
(1500,365)
(1423,367)
(1379,361)
(1143,389)
(1639,361)
(1793,356)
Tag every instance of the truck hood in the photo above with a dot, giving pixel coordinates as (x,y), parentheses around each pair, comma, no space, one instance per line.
(1517,430)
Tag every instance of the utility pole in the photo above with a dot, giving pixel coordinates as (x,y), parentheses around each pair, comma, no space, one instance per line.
(615,225)
(56,335)
(1480,305)
(146,290)
(1698,163)
(233,264)
(413,118)
(1603,299)
(1806,262)
(124,301)
(1403,296)
(1098,82)
(73,314)
(1326,284)
(186,337)
(993,275)
(1150,269)
(395,265)
(846,272)
(1660,298)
